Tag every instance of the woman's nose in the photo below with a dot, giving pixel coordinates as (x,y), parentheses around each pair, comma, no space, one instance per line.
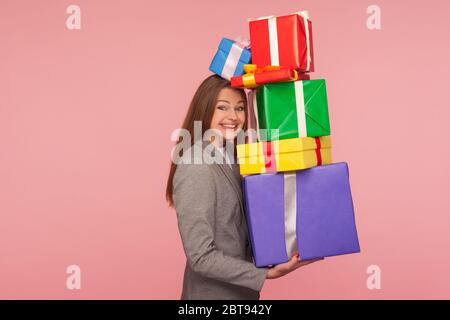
(232,115)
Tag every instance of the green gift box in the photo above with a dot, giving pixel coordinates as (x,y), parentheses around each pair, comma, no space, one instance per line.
(292,110)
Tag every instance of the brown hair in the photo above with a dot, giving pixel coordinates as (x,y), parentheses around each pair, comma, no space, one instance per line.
(202,109)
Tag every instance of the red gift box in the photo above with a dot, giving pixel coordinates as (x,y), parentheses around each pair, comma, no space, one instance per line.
(254,79)
(284,41)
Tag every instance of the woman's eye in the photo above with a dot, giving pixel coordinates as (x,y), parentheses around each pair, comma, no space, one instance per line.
(240,108)
(222,108)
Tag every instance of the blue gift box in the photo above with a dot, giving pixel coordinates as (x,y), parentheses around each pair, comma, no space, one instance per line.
(229,59)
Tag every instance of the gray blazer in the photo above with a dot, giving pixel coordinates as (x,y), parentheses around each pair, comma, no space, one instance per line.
(211,220)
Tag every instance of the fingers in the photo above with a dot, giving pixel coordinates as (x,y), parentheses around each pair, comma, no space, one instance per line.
(293,261)
(280,270)
(293,264)
(287,266)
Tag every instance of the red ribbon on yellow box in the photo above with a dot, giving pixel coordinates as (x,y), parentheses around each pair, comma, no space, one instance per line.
(270,159)
(255,76)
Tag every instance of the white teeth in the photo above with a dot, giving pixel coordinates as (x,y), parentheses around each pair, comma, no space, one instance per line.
(229,126)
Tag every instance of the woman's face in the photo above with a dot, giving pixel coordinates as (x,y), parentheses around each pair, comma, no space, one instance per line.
(229,113)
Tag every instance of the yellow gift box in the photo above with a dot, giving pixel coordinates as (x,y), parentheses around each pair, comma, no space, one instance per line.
(283,155)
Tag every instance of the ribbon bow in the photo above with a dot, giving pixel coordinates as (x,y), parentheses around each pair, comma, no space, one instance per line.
(244,43)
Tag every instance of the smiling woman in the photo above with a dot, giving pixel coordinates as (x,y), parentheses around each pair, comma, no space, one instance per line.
(211,105)
(208,201)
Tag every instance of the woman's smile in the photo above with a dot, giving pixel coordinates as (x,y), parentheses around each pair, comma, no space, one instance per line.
(229,126)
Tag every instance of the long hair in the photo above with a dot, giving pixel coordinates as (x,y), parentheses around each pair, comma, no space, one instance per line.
(202,109)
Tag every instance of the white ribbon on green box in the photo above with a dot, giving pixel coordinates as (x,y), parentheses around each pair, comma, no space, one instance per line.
(296,109)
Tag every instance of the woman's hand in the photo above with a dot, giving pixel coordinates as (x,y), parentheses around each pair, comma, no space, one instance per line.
(283,269)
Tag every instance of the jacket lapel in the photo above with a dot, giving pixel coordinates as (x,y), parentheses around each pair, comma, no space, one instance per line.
(233,177)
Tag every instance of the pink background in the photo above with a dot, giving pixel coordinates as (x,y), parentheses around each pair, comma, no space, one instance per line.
(85,123)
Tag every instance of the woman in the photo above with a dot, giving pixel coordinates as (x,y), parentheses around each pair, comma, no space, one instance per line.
(209,204)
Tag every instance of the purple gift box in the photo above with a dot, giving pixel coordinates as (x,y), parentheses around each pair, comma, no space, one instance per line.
(308,211)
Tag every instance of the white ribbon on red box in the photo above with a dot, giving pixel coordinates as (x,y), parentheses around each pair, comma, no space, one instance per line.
(273,38)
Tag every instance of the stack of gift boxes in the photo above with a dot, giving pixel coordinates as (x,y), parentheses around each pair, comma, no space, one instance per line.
(296,199)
